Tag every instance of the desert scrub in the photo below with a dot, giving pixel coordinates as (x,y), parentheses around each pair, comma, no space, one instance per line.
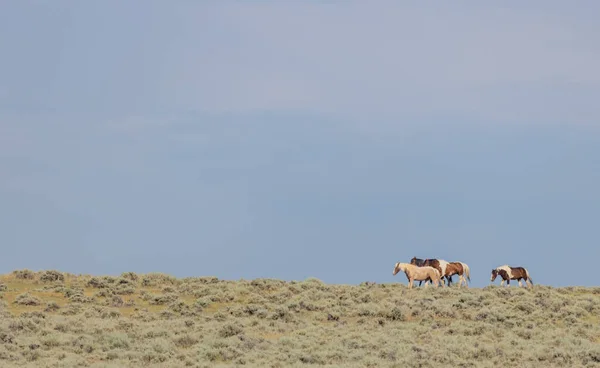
(98,282)
(230,329)
(207,322)
(185,341)
(24,274)
(203,302)
(123,289)
(160,299)
(393,314)
(132,276)
(52,276)
(181,308)
(72,309)
(117,301)
(158,279)
(109,314)
(27,299)
(104,293)
(115,341)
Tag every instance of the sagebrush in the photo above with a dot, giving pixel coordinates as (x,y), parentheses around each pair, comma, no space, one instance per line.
(53,319)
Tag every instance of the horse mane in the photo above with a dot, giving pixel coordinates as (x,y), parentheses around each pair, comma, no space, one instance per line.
(506,268)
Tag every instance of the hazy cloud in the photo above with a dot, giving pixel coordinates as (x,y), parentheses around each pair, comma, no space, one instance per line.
(295,139)
(390,60)
(354,60)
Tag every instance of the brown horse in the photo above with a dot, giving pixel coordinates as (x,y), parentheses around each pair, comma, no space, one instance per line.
(458,268)
(417,273)
(508,273)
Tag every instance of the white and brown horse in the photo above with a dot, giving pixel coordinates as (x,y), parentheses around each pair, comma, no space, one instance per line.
(508,273)
(418,273)
(458,268)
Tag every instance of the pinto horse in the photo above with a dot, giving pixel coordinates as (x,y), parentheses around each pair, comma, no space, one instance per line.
(417,273)
(438,264)
(508,273)
(458,268)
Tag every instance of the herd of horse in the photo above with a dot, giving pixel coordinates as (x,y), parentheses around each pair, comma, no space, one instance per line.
(438,271)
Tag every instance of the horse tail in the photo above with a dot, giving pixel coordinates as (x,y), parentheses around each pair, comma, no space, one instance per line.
(529,277)
(467,270)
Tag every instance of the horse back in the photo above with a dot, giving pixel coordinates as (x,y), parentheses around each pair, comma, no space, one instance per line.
(519,272)
(418,262)
(432,263)
(456,267)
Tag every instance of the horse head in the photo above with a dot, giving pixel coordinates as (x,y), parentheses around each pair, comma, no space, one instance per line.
(494,275)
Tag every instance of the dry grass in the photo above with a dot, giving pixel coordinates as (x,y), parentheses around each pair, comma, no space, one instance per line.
(51,319)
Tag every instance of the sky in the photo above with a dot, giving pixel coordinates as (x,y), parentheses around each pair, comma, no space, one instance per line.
(326,139)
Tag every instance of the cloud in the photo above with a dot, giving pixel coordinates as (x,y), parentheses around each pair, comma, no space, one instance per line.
(391,61)
(385,61)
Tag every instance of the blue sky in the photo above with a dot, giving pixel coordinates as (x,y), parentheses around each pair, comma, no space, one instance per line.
(309,139)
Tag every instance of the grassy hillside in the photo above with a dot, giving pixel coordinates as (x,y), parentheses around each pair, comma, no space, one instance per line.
(59,320)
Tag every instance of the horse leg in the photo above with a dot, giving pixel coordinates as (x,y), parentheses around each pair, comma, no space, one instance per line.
(410,283)
(426,284)
(520,285)
(528,283)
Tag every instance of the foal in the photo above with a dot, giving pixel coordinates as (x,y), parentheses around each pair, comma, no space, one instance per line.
(417,273)
(511,273)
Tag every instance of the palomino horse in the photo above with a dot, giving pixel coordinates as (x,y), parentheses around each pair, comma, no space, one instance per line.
(458,268)
(420,263)
(438,264)
(511,273)
(417,273)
